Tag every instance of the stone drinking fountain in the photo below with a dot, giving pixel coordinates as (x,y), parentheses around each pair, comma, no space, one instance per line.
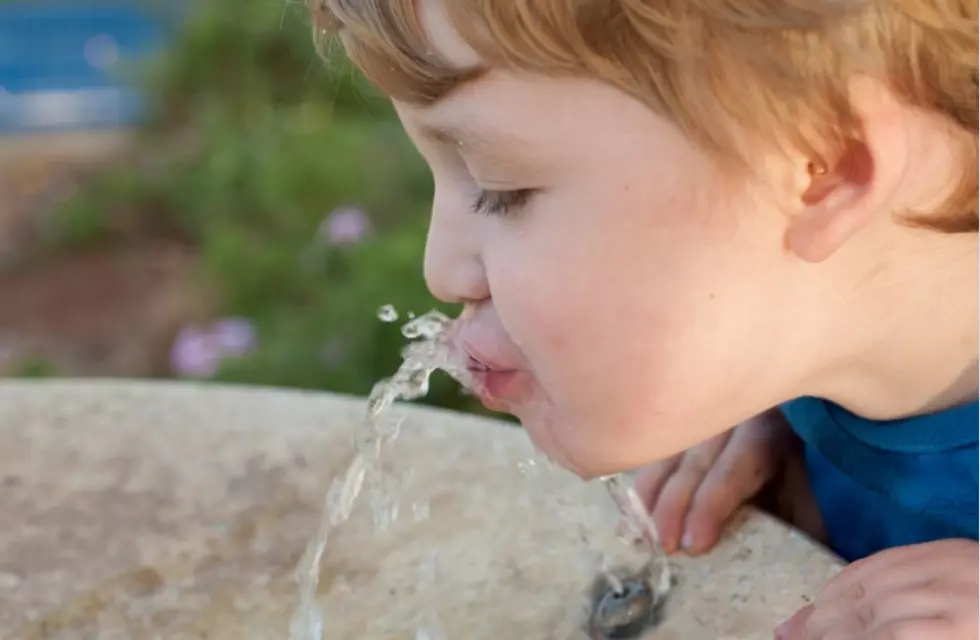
(140,511)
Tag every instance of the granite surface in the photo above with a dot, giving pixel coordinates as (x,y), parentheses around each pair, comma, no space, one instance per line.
(152,510)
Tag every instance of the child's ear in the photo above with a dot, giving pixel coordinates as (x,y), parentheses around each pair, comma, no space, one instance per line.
(839,199)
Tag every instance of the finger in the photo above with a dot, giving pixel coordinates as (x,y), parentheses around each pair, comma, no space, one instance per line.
(856,617)
(651,479)
(739,472)
(795,627)
(912,630)
(860,570)
(670,510)
(898,568)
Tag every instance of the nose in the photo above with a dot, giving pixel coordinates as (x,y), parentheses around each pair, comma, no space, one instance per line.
(454,270)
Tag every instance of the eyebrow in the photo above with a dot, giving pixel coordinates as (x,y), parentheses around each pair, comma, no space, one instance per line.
(463,136)
(446,86)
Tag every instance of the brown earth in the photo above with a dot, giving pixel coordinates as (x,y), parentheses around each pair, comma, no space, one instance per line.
(109,312)
(100,311)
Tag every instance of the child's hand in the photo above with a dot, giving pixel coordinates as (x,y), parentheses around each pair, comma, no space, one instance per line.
(921,592)
(692,495)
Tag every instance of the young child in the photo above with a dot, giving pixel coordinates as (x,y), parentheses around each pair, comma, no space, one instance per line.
(669,217)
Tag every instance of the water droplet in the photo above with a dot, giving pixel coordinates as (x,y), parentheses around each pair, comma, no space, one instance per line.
(528,468)
(430,326)
(431,630)
(385,514)
(427,569)
(388,313)
(411,331)
(420,511)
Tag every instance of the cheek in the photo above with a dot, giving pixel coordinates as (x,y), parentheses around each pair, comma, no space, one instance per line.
(607,294)
(621,316)
(599,255)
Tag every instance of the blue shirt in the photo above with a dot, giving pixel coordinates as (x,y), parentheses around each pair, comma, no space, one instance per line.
(887,484)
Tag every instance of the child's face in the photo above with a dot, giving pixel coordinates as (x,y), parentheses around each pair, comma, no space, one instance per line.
(632,304)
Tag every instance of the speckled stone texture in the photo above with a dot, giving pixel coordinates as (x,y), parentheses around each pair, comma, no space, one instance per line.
(142,511)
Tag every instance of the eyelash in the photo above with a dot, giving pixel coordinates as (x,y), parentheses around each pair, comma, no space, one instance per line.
(501,203)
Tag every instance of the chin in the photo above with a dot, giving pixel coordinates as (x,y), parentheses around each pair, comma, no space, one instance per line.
(544,427)
(495,405)
(541,430)
(588,459)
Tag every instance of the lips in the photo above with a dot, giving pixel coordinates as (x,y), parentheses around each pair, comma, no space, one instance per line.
(484,352)
(493,386)
(504,379)
(494,381)
(494,362)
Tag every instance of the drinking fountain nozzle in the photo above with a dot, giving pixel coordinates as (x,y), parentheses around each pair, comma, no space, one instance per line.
(625,605)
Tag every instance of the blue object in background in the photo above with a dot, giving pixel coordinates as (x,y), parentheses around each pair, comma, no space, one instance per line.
(62,63)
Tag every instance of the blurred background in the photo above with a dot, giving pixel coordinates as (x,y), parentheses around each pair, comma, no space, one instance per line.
(188,191)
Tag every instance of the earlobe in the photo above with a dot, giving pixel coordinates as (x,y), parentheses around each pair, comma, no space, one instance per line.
(834,205)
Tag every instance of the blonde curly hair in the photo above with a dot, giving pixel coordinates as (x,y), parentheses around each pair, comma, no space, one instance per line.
(692,60)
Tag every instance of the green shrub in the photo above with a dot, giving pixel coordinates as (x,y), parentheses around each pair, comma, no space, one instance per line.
(33,368)
(244,57)
(252,141)
(332,338)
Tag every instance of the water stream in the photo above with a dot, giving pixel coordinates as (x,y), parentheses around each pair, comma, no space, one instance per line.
(429,349)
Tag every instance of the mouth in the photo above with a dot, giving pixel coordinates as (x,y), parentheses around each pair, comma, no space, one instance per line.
(475,366)
(493,384)
(504,383)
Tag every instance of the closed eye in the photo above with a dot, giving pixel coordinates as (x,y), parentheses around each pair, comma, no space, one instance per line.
(501,203)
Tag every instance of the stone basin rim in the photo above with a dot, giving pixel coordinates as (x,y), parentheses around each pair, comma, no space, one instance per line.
(96,387)
(103,385)
(783,569)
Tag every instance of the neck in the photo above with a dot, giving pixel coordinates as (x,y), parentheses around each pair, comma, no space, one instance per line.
(906,325)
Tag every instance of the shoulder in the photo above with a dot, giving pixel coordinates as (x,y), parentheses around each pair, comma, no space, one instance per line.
(880,484)
(819,422)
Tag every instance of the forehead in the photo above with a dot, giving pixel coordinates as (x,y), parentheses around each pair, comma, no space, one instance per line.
(481,116)
(507,106)
(451,120)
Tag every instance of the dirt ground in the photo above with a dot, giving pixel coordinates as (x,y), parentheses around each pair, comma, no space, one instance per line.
(110,311)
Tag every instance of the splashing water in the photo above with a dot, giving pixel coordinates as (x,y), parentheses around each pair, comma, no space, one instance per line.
(640,528)
(388,313)
(431,628)
(430,350)
(637,531)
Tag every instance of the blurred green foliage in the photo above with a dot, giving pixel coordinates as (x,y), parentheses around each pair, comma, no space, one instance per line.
(252,141)
(31,368)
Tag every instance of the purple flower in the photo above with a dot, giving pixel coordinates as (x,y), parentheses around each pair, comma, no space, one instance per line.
(345,226)
(198,351)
